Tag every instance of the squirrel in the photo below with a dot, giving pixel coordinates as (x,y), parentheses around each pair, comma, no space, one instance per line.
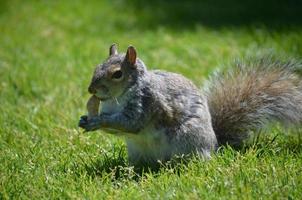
(163,114)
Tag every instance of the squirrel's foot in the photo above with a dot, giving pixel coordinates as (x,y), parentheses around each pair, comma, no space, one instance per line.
(89,124)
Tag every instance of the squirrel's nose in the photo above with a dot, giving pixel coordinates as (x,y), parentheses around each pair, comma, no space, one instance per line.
(91,89)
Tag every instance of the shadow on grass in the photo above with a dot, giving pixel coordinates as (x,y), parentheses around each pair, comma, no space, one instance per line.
(3,8)
(116,166)
(274,14)
(279,144)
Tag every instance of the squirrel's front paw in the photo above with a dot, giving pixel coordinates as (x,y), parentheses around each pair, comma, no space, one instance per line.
(89,125)
(83,121)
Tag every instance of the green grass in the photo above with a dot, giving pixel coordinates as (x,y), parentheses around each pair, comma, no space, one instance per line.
(47,54)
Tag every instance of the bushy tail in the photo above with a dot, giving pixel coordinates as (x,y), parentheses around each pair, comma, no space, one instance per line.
(250,95)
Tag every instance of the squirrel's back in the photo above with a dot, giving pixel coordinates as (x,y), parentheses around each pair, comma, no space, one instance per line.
(250,95)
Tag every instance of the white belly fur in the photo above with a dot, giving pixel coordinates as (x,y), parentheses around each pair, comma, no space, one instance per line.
(148,145)
(112,106)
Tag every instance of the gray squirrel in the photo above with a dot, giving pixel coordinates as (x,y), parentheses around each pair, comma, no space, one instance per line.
(163,114)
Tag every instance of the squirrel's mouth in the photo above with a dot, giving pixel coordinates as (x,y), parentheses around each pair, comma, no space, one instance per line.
(102,97)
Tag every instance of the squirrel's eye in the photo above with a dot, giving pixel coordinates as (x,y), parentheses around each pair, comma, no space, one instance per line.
(117,75)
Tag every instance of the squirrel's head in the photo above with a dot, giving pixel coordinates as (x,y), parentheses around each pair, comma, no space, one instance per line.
(116,74)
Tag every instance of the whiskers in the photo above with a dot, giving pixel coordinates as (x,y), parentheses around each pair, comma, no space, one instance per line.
(115,99)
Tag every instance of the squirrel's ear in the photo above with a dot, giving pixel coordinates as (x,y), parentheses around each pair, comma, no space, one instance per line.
(113,50)
(131,55)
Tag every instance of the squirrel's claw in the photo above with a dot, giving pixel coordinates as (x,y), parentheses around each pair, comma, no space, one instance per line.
(88,125)
(84,117)
(83,121)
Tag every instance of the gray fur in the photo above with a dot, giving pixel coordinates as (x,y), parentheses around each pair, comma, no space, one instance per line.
(163,114)
(247,97)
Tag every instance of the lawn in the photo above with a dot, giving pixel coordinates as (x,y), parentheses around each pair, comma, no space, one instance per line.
(48,50)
